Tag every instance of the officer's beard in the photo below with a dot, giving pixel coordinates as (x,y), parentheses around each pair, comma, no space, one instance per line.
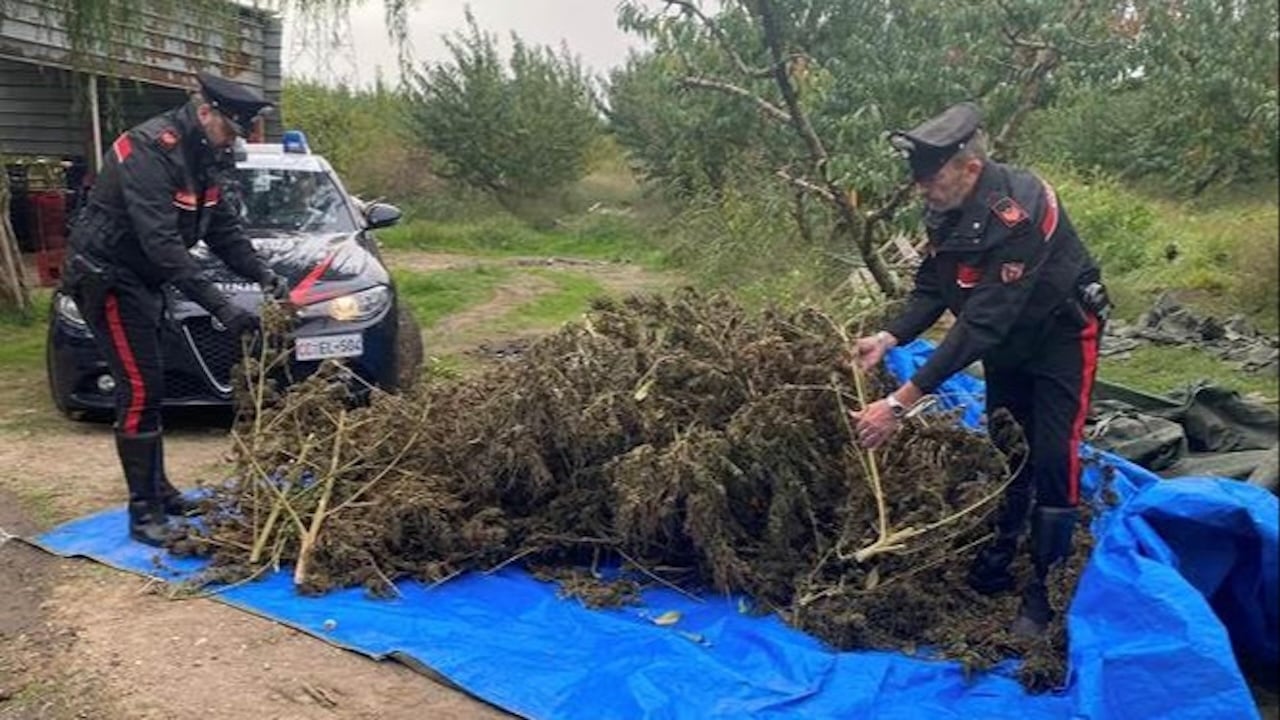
(945,205)
(947,199)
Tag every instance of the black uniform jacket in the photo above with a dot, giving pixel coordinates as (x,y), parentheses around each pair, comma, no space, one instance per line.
(1007,264)
(159,192)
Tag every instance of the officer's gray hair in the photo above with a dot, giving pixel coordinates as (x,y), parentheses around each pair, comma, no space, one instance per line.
(975,148)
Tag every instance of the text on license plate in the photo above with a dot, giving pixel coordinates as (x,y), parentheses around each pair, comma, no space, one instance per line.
(328,346)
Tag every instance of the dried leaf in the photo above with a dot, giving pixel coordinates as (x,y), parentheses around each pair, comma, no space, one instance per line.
(643,391)
(694,637)
(670,617)
(872,579)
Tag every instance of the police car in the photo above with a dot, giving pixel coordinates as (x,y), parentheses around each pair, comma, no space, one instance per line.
(312,233)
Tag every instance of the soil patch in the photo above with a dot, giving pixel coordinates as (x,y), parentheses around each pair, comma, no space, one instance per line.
(466,333)
(79,640)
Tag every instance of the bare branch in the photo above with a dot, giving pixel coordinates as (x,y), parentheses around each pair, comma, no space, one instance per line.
(1017,40)
(886,211)
(773,111)
(807,186)
(798,118)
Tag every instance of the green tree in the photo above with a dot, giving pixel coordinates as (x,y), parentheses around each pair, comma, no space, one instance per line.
(1191,101)
(517,129)
(828,78)
(364,134)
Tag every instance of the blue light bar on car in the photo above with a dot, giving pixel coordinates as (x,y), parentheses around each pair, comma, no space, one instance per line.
(295,142)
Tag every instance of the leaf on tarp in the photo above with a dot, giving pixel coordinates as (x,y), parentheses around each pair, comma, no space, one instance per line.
(670,617)
(694,638)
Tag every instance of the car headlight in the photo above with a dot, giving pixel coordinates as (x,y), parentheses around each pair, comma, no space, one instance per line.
(355,307)
(67,310)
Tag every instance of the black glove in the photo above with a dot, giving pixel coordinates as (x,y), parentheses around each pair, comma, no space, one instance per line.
(237,320)
(275,286)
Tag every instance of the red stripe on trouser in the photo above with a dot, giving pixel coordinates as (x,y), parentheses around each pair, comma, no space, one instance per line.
(1088,368)
(137,389)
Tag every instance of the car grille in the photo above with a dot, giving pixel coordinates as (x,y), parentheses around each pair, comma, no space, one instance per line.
(184,386)
(217,352)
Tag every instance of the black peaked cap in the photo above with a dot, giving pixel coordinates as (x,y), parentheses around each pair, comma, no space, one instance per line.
(929,145)
(241,104)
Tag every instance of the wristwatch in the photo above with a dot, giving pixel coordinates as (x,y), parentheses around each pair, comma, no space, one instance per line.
(898,409)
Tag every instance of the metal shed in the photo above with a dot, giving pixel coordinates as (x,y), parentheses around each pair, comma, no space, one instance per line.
(63,97)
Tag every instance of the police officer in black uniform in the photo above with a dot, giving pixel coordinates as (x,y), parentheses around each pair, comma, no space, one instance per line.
(1004,259)
(159,192)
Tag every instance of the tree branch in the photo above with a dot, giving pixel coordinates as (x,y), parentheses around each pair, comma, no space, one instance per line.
(807,186)
(1047,58)
(886,212)
(884,277)
(773,111)
(690,9)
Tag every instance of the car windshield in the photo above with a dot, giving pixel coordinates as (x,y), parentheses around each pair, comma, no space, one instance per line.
(292,200)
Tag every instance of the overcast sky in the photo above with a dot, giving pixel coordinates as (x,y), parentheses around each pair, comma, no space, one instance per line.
(588,27)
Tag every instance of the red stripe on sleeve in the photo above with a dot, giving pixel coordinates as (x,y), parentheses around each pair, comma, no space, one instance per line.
(1049,223)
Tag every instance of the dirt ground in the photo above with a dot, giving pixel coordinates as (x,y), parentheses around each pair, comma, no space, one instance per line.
(80,640)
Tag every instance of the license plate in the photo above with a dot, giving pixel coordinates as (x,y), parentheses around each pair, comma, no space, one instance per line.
(328,346)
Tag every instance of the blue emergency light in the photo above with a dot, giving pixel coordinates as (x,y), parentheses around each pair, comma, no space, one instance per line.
(295,142)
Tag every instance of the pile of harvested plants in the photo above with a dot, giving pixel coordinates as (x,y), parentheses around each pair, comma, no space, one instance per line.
(699,446)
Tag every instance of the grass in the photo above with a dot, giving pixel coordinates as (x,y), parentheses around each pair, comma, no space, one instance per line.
(600,237)
(1220,254)
(1160,369)
(433,295)
(22,338)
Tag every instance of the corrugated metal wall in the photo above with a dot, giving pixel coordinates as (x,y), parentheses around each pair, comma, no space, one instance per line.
(43,105)
(161,41)
(39,114)
(273,71)
(125,103)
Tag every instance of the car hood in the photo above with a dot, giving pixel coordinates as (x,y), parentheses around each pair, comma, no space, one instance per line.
(316,266)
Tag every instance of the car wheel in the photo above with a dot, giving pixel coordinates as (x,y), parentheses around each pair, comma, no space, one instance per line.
(409,350)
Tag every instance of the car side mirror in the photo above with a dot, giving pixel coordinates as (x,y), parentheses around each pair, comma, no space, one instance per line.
(380,215)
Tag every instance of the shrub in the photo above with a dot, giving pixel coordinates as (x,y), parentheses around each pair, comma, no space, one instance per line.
(1117,226)
(517,130)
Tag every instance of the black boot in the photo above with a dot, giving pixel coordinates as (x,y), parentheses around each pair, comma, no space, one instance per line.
(171,497)
(174,502)
(1051,532)
(147,521)
(989,574)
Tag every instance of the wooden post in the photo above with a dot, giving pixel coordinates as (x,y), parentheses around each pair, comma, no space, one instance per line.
(95,118)
(13,281)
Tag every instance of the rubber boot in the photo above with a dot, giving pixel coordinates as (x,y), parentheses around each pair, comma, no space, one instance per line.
(147,521)
(989,574)
(1051,532)
(171,497)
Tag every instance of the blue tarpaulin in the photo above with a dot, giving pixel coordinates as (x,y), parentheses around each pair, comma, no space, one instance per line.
(1182,571)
